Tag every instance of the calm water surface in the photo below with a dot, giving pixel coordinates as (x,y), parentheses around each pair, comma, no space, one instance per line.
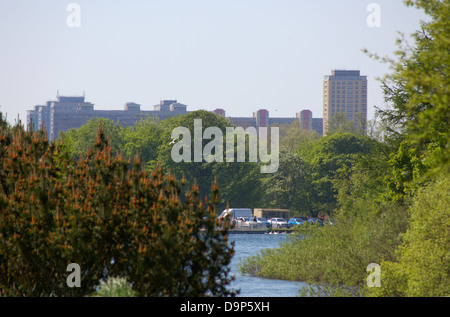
(246,245)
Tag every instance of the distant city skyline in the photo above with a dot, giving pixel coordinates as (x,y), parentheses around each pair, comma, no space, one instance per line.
(235,55)
(66,112)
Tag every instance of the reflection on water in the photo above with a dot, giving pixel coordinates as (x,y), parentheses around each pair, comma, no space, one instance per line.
(246,245)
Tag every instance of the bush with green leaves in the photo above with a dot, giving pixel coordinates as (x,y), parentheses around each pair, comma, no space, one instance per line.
(422,264)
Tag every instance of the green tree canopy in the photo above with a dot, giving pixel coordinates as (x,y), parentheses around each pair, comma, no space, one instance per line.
(422,266)
(81,139)
(331,158)
(239,181)
(418,88)
(291,186)
(144,139)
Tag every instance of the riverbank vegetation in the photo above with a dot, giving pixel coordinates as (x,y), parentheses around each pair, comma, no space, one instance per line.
(391,199)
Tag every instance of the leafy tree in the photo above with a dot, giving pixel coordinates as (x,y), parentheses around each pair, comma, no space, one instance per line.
(239,181)
(419,88)
(199,171)
(240,184)
(144,139)
(364,181)
(422,264)
(80,140)
(290,187)
(293,137)
(407,168)
(330,159)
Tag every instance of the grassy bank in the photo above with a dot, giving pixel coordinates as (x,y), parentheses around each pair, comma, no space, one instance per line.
(410,243)
(333,255)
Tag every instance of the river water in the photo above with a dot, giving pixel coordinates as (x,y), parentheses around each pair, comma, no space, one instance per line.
(246,245)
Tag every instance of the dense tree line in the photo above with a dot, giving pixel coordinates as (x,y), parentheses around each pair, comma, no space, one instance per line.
(303,183)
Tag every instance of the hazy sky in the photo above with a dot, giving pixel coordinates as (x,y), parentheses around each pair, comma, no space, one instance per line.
(239,55)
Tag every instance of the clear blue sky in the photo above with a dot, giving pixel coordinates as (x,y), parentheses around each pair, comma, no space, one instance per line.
(239,55)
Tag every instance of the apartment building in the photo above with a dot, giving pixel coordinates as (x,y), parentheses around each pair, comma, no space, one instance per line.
(345,92)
